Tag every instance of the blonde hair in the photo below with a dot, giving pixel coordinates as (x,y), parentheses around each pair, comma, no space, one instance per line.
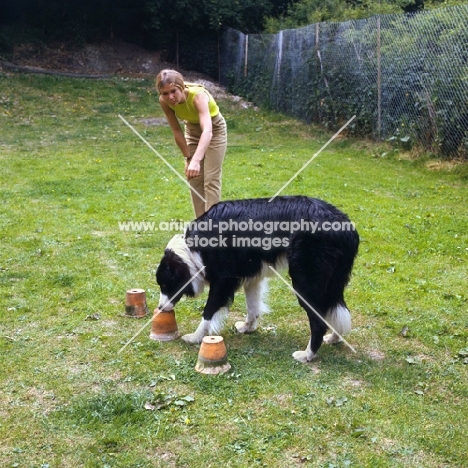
(170,77)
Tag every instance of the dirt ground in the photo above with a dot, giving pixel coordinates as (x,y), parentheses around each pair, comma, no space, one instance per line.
(98,60)
(94,59)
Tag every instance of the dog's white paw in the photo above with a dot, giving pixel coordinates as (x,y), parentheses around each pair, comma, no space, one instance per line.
(244,327)
(332,338)
(192,338)
(303,356)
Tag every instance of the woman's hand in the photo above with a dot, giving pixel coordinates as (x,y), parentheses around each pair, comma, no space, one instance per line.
(192,169)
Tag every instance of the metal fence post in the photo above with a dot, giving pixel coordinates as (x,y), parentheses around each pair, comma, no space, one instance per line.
(379,82)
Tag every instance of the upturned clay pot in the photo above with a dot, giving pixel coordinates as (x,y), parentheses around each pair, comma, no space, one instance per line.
(164,326)
(212,356)
(135,303)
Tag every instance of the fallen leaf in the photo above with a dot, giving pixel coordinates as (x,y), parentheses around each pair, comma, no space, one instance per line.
(149,406)
(412,360)
(341,401)
(93,317)
(404,331)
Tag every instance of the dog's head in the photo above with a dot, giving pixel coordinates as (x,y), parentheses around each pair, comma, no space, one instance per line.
(175,275)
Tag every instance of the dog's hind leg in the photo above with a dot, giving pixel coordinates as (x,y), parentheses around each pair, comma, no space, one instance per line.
(310,268)
(340,320)
(318,329)
(255,290)
(304,356)
(216,309)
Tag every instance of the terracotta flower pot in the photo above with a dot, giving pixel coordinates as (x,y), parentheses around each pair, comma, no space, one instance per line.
(212,357)
(135,303)
(164,326)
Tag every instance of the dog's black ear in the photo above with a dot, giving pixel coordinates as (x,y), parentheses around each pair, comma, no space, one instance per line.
(173,272)
(174,263)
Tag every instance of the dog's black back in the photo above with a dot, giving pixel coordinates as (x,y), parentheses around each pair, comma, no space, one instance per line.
(243,252)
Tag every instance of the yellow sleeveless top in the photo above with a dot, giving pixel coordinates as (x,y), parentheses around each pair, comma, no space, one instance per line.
(186,110)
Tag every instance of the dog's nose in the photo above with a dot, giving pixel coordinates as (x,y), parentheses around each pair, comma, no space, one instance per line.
(164,303)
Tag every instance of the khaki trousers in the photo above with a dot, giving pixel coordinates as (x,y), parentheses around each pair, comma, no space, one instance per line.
(207,185)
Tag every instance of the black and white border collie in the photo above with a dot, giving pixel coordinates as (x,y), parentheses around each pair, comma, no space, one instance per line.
(235,242)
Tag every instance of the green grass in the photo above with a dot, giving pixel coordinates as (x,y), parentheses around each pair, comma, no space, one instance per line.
(71,171)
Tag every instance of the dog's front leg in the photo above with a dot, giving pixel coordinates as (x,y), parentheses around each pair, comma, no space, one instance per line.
(254,292)
(199,333)
(216,309)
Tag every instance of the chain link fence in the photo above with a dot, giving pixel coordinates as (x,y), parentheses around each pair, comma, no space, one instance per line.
(405,77)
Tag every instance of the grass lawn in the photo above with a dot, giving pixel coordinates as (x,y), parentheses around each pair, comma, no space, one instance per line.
(72,171)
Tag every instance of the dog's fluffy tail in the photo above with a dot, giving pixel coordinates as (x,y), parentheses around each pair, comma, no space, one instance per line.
(340,319)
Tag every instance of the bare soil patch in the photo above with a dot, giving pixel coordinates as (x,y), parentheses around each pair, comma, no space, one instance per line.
(107,58)
(101,60)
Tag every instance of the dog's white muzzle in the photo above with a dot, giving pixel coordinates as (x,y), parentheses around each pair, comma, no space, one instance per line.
(164,303)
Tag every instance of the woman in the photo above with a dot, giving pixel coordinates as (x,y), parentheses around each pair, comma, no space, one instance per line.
(204,142)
